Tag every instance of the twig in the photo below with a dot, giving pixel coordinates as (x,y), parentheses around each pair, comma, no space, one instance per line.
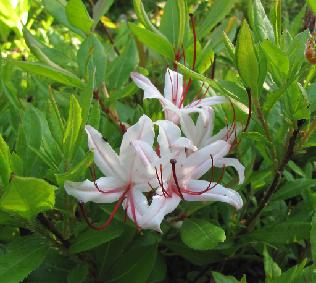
(51,228)
(277,177)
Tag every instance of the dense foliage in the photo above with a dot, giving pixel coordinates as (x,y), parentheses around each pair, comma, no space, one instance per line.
(68,64)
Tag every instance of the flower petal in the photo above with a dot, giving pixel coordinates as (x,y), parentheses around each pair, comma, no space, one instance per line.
(150,91)
(142,130)
(220,162)
(104,156)
(173,87)
(218,193)
(158,209)
(87,191)
(208,101)
(200,161)
(228,133)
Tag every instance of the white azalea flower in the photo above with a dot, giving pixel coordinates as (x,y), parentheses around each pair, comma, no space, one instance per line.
(174,94)
(179,178)
(127,175)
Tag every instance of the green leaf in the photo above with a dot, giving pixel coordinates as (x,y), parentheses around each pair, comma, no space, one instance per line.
(78,16)
(122,66)
(58,10)
(72,128)
(277,20)
(21,257)
(291,275)
(271,268)
(173,22)
(32,128)
(134,266)
(91,238)
(100,9)
(154,41)
(91,54)
(159,271)
(259,21)
(5,168)
(313,238)
(78,274)
(142,16)
(57,74)
(218,11)
(293,188)
(76,171)
(220,278)
(27,196)
(246,58)
(281,233)
(199,234)
(312,4)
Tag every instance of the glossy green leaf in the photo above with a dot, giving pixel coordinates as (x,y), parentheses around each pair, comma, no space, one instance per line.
(78,16)
(122,66)
(21,257)
(312,4)
(78,274)
(290,276)
(127,268)
(246,58)
(142,16)
(27,196)
(218,11)
(56,74)
(76,171)
(72,128)
(221,278)
(271,268)
(313,238)
(99,9)
(259,21)
(200,234)
(91,238)
(5,168)
(153,40)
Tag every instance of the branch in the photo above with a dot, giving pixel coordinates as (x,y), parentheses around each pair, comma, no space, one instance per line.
(277,177)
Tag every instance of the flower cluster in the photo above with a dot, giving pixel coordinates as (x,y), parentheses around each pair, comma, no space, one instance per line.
(170,170)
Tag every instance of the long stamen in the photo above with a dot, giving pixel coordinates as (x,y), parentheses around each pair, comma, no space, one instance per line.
(173,165)
(110,218)
(160,182)
(131,200)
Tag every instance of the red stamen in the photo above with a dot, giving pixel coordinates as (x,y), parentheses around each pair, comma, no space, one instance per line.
(173,164)
(160,181)
(110,218)
(131,200)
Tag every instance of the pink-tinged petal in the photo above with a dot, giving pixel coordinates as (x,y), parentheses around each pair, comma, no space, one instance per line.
(158,209)
(142,130)
(108,190)
(150,91)
(104,156)
(184,143)
(173,87)
(217,193)
(234,163)
(200,161)
(145,163)
(208,101)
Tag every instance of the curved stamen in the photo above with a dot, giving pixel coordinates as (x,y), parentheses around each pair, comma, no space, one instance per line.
(110,218)
(133,209)
(160,182)
(93,176)
(173,165)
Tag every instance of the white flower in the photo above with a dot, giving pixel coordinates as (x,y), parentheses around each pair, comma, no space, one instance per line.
(127,175)
(179,178)
(174,94)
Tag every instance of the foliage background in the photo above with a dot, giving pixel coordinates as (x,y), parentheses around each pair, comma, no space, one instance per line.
(66,64)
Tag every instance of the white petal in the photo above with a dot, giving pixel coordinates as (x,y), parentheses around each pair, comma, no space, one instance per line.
(143,130)
(228,133)
(218,193)
(200,161)
(104,156)
(232,162)
(158,209)
(150,91)
(145,163)
(208,101)
(112,189)
(173,87)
